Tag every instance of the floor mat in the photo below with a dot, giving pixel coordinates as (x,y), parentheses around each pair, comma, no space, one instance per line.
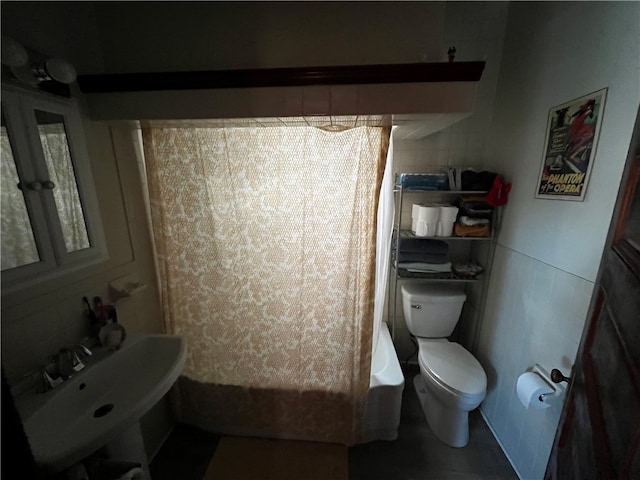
(238,458)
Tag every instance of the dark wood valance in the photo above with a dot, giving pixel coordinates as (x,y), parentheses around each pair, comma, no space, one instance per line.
(284,77)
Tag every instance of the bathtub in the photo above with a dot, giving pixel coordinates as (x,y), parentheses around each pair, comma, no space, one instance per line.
(384,401)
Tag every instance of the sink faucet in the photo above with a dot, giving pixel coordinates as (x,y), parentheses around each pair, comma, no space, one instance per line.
(63,365)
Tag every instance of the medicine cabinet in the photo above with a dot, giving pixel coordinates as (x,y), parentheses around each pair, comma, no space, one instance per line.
(50,219)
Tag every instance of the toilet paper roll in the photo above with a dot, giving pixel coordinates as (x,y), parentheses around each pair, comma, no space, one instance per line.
(428,213)
(444,229)
(427,221)
(530,386)
(414,210)
(448,213)
(447,218)
(414,216)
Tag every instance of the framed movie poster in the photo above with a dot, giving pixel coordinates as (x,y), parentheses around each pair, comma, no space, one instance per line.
(570,146)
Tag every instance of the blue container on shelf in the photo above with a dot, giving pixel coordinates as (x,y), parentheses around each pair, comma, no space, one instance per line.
(424,181)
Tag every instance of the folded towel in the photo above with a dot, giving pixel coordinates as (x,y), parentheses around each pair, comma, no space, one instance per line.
(413,244)
(422,257)
(425,267)
(470,222)
(474,206)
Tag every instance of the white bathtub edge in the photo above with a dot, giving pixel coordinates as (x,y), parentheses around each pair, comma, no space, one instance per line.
(384,401)
(391,375)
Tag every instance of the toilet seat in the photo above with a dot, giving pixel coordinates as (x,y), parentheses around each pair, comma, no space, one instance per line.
(451,366)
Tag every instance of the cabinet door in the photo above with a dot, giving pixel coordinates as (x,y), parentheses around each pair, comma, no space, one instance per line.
(27,249)
(46,143)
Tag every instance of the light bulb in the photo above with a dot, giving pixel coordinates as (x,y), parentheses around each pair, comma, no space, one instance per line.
(13,53)
(60,70)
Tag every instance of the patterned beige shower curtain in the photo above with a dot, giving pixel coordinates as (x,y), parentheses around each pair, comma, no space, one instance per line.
(265,240)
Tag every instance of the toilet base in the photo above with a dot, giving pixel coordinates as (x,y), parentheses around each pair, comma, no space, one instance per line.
(449,425)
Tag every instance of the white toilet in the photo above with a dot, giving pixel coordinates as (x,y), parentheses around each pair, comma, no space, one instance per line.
(451,381)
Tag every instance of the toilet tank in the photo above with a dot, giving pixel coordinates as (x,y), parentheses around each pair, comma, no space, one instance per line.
(431,311)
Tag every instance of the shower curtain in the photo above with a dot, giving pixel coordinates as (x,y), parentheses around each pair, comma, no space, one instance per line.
(265,243)
(384,234)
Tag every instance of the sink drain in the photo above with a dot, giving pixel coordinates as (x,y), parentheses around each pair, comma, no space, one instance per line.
(103,410)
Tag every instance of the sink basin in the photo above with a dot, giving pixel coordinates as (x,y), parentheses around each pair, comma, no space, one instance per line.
(100,402)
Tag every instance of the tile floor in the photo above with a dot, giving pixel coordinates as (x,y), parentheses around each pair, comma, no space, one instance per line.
(416,455)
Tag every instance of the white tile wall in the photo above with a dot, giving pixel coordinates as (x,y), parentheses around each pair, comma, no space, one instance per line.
(453,146)
(477,30)
(535,313)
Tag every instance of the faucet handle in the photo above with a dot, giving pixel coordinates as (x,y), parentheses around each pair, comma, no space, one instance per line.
(85,351)
(79,352)
(78,364)
(50,376)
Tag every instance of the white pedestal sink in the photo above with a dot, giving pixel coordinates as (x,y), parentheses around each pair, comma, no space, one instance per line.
(102,404)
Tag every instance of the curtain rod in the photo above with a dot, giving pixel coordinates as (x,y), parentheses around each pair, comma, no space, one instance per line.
(283,77)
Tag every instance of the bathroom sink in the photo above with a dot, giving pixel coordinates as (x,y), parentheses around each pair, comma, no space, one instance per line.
(100,402)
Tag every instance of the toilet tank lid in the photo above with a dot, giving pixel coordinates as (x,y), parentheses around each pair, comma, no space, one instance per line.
(432,293)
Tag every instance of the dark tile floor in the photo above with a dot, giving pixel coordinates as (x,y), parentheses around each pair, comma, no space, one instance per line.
(185,455)
(416,455)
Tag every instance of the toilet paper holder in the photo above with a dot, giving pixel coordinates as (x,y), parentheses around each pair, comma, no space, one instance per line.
(554,380)
(557,376)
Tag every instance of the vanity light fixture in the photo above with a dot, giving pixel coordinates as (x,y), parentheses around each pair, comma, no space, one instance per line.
(33,68)
(55,69)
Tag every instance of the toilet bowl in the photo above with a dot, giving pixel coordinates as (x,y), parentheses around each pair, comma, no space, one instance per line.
(451,381)
(451,384)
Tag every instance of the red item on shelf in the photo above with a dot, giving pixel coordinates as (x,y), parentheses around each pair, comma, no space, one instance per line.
(499,193)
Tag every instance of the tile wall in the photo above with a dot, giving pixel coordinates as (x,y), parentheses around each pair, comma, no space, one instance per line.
(535,313)
(452,146)
(477,30)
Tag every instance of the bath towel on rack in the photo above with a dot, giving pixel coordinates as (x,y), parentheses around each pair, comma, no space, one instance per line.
(422,267)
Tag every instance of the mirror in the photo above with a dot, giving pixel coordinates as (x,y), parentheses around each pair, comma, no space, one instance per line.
(62,179)
(51,222)
(18,242)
